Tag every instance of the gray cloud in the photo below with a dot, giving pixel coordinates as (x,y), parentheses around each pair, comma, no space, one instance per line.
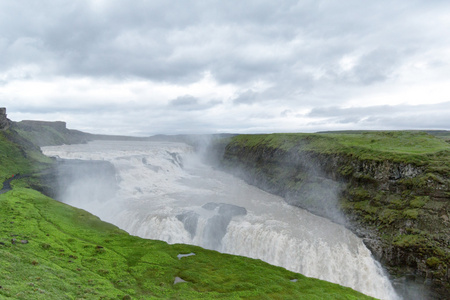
(247,97)
(190,103)
(158,41)
(334,111)
(432,116)
(184,101)
(280,56)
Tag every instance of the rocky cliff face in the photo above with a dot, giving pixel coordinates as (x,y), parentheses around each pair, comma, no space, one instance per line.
(4,122)
(401,210)
(43,133)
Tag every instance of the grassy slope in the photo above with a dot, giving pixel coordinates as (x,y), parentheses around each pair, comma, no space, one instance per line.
(14,158)
(68,253)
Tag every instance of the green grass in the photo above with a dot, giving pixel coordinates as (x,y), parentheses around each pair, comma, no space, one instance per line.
(394,141)
(402,146)
(14,159)
(19,156)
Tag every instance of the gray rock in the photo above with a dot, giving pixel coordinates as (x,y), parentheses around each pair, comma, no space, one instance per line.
(180,256)
(178,280)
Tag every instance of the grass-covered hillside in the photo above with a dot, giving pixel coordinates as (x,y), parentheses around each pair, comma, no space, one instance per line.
(400,146)
(18,155)
(49,250)
(393,187)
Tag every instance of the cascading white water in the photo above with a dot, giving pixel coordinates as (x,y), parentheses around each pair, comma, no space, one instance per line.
(166,193)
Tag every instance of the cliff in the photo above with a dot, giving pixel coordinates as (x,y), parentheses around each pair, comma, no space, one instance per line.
(43,133)
(390,188)
(4,122)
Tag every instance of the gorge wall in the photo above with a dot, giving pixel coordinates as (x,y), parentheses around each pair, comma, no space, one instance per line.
(400,207)
(44,133)
(4,122)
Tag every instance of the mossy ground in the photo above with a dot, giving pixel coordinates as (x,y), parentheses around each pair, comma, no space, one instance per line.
(49,250)
(400,146)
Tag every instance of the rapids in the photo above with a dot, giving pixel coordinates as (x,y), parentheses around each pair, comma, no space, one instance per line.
(165,192)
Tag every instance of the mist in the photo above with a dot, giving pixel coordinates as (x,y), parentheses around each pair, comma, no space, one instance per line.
(164,191)
(301,178)
(92,181)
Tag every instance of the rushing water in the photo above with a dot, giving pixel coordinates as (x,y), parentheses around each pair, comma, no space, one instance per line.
(166,193)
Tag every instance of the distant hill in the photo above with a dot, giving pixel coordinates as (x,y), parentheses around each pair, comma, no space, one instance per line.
(43,133)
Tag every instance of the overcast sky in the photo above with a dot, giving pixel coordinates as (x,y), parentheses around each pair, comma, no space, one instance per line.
(158,66)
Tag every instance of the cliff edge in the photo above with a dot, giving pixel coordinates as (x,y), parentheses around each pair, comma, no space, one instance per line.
(391,188)
(4,122)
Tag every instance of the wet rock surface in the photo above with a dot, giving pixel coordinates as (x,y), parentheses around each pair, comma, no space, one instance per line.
(216,225)
(190,222)
(7,183)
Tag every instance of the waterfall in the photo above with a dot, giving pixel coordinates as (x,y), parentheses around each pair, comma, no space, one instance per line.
(166,193)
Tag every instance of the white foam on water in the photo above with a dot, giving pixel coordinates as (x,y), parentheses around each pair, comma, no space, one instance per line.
(159,181)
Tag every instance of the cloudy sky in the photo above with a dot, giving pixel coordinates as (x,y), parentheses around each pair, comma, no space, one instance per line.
(192,66)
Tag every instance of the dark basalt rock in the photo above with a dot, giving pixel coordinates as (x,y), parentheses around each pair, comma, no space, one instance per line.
(216,226)
(5,123)
(190,221)
(176,159)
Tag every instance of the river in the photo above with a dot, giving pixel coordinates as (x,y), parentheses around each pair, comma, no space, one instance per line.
(165,192)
